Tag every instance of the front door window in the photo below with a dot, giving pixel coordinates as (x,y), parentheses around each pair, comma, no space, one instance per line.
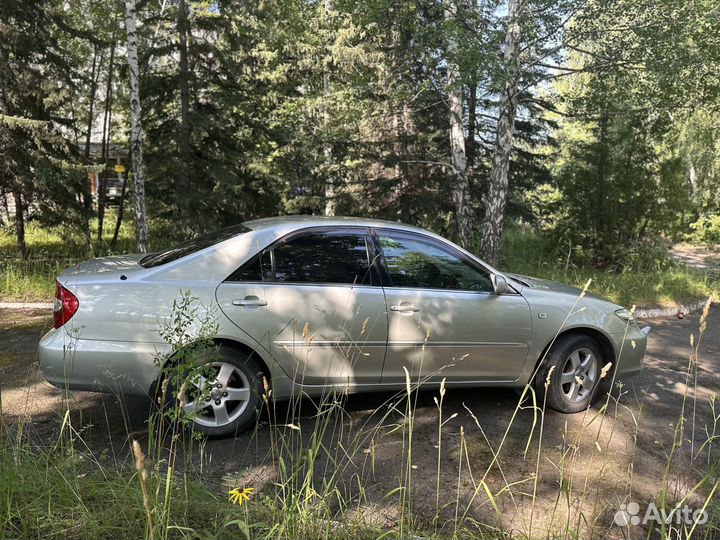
(415,263)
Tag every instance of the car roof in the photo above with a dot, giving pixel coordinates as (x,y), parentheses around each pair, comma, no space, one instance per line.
(219,260)
(331,221)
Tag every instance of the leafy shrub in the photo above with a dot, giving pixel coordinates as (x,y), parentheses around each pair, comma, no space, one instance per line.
(706,230)
(568,248)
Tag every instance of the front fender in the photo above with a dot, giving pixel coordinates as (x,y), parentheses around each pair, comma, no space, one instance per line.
(554,314)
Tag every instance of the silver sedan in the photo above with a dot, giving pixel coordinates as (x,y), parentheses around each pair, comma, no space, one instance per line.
(310,305)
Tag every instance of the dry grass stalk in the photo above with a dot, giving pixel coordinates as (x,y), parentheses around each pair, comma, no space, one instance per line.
(142,471)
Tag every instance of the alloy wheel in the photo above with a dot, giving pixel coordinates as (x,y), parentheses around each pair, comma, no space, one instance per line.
(219,399)
(579,375)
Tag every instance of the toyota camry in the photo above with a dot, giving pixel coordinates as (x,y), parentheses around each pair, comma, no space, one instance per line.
(307,305)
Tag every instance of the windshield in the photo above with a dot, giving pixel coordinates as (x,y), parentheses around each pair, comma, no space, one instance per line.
(191,246)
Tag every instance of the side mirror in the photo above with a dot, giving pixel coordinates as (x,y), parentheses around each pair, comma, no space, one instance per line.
(499,283)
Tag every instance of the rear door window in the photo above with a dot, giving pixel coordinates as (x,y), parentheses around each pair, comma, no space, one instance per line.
(323,257)
(259,268)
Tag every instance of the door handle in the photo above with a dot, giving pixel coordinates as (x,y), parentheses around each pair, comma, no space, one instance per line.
(249,301)
(405,307)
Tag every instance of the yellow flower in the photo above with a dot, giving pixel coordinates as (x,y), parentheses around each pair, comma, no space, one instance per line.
(240,495)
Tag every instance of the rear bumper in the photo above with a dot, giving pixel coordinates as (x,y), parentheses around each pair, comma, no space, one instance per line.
(106,366)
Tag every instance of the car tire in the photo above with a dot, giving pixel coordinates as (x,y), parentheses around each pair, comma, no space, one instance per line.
(228,399)
(575,381)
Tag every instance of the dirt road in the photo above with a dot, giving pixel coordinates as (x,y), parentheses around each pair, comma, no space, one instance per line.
(590,464)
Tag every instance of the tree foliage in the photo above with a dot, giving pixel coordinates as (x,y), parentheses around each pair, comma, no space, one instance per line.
(303,106)
(39,61)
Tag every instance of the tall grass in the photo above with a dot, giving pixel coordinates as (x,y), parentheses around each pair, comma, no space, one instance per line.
(52,250)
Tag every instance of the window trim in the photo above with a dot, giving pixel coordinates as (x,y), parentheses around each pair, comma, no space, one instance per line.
(386,277)
(359,230)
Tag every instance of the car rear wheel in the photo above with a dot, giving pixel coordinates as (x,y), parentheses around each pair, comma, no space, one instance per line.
(575,381)
(224,396)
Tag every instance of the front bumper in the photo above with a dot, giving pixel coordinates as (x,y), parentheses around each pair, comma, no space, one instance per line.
(630,348)
(107,366)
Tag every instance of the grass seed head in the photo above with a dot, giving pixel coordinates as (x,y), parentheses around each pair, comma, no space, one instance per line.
(163,391)
(704,316)
(605,370)
(549,376)
(182,394)
(585,288)
(407,381)
(267,391)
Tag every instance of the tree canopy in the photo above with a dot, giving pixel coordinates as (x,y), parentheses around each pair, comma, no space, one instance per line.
(595,119)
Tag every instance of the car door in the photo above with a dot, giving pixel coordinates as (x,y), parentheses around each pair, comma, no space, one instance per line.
(241,297)
(444,318)
(324,307)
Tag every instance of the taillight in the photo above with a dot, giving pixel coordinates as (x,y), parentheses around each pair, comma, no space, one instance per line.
(65,306)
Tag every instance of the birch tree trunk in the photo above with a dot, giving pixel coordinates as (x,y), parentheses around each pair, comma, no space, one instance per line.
(470,144)
(461,190)
(327,150)
(601,173)
(327,154)
(401,125)
(6,207)
(91,101)
(136,135)
(692,179)
(498,187)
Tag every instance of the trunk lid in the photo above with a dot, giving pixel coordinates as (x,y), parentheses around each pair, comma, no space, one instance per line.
(102,268)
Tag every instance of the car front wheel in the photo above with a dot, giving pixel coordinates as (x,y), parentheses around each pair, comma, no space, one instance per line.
(575,379)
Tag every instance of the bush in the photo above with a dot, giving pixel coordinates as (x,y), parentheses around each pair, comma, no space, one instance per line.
(572,249)
(706,230)
(643,275)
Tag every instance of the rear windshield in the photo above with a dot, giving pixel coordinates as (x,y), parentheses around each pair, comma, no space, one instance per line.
(191,246)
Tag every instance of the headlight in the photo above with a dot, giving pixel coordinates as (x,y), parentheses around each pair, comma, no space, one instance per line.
(625,314)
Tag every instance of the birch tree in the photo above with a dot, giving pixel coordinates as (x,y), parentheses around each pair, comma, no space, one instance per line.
(136,135)
(327,148)
(498,185)
(458,159)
